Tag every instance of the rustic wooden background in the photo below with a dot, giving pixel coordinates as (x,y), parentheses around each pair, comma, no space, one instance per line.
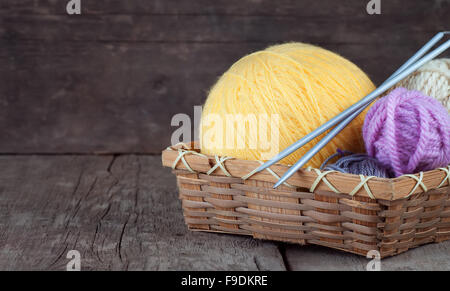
(111,79)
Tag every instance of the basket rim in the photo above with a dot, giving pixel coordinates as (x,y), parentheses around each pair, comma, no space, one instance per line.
(374,187)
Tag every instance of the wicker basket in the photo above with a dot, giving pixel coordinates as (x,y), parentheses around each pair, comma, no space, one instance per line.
(347,212)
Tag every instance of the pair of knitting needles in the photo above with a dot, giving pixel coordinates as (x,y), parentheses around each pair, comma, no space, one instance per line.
(345,117)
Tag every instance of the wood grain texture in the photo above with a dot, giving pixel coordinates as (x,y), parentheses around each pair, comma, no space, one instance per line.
(120,213)
(111,79)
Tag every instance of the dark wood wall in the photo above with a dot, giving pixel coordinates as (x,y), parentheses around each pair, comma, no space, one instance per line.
(111,79)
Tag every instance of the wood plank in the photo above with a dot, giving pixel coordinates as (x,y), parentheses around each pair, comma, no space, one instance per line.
(120,213)
(431,257)
(101,97)
(322,29)
(226,7)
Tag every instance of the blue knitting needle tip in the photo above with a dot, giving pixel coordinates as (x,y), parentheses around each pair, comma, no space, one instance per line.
(293,147)
(277,184)
(314,150)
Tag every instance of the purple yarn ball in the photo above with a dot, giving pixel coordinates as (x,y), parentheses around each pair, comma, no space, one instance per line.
(408,132)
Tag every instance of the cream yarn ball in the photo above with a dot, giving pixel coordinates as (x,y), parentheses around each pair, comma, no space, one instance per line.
(432,79)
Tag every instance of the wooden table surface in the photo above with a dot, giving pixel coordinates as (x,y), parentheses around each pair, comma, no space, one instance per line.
(123,213)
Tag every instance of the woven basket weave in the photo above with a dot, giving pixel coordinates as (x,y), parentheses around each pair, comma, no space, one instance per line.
(347,212)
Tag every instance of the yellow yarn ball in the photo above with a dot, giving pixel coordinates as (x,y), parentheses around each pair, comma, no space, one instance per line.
(301,84)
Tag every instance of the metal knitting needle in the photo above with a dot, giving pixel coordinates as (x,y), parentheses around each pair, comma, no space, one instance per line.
(380,90)
(420,52)
(307,138)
